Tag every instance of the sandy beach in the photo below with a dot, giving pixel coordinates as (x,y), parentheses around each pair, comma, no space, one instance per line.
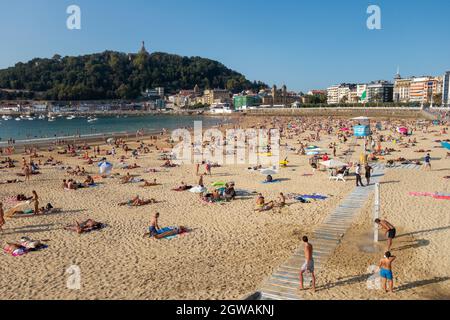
(230,249)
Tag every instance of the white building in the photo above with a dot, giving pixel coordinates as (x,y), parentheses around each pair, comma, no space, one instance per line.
(333,95)
(337,94)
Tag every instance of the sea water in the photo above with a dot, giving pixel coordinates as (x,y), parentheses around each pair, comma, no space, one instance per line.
(62,127)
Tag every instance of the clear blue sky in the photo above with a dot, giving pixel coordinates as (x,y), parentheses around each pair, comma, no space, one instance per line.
(303,44)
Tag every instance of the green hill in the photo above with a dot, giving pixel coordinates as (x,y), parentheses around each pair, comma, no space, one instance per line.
(115,75)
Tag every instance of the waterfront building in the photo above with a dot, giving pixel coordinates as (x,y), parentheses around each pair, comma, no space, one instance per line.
(402,89)
(380,91)
(332,95)
(216,96)
(423,89)
(340,93)
(279,97)
(242,102)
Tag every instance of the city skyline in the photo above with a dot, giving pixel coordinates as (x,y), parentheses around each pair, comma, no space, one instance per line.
(279,44)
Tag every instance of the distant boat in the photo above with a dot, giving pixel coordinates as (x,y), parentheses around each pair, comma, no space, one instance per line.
(91,119)
(51,119)
(6,118)
(41,117)
(70,117)
(18,119)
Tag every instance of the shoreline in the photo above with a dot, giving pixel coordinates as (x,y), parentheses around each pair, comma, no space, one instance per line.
(381,113)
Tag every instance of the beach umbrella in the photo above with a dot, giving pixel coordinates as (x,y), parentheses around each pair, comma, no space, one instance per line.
(198,189)
(218,184)
(333,164)
(446,145)
(105,168)
(312,147)
(312,153)
(268,172)
(402,130)
(345,129)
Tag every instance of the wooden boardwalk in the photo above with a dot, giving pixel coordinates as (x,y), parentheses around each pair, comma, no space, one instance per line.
(382,166)
(283,284)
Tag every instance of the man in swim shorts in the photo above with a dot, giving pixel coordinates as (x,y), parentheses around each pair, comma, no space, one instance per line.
(154,227)
(389,229)
(386,271)
(308,266)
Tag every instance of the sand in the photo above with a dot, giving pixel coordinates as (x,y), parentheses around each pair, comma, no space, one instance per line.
(230,249)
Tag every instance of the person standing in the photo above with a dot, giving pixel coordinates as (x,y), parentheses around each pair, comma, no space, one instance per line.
(386,271)
(197,168)
(428,162)
(308,266)
(358,176)
(208,168)
(36,202)
(368,173)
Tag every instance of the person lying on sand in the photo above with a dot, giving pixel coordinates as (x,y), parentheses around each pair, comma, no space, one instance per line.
(10,181)
(83,227)
(168,164)
(182,187)
(170,233)
(126,179)
(150,184)
(15,249)
(137,202)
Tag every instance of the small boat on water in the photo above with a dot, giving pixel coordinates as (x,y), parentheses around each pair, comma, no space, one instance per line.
(6,118)
(41,117)
(18,119)
(70,117)
(91,119)
(51,119)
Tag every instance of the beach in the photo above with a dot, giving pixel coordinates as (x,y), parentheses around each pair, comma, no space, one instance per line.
(230,249)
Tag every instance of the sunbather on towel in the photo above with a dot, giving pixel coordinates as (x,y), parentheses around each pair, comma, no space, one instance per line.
(170,233)
(15,249)
(182,187)
(150,184)
(83,227)
(137,202)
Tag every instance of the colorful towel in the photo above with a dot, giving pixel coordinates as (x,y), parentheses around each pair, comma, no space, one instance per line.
(167,229)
